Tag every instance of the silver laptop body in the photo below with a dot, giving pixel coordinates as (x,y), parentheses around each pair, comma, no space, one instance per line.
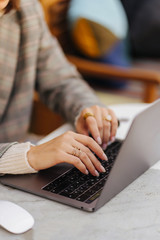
(139,151)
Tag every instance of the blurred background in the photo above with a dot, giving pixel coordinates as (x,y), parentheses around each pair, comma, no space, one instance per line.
(113,43)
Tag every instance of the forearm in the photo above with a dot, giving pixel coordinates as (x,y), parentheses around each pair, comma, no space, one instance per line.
(71,97)
(13,158)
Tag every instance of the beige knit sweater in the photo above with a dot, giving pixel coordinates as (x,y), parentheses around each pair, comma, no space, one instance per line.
(15,161)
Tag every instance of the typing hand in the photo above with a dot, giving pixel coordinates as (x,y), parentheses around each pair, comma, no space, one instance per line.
(72,148)
(100,122)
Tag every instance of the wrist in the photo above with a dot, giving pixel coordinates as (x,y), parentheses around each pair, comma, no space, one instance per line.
(31,158)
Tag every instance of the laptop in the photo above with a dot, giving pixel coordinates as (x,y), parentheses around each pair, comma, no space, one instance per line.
(127,160)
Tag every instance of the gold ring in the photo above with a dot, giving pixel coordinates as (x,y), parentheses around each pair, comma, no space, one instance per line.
(108,118)
(76,152)
(88,114)
(79,154)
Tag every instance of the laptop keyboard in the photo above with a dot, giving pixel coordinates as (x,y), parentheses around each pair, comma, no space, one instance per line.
(84,188)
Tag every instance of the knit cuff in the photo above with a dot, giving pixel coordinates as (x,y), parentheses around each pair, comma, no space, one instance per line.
(14,160)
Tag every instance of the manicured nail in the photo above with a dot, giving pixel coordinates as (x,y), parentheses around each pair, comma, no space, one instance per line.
(99,140)
(104,146)
(105,157)
(96,173)
(86,172)
(102,169)
(112,139)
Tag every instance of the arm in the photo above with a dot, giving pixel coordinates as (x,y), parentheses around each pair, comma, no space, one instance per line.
(64,91)
(60,85)
(62,88)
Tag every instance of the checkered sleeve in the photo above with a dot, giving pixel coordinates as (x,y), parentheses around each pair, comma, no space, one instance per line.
(60,86)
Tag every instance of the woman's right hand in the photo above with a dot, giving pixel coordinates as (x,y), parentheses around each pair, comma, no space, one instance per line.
(71,148)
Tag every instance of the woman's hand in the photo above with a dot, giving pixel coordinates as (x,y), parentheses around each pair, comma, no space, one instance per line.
(100,122)
(70,147)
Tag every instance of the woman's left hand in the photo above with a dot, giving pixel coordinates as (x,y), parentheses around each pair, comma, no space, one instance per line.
(100,122)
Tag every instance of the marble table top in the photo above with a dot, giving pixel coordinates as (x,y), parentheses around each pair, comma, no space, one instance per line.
(133,214)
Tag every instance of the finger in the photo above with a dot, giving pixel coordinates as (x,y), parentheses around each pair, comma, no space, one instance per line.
(93,129)
(69,158)
(106,134)
(91,123)
(88,163)
(96,163)
(97,114)
(114,124)
(76,151)
(106,128)
(92,144)
(83,157)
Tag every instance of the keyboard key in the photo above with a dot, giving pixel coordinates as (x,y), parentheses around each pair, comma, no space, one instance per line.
(82,198)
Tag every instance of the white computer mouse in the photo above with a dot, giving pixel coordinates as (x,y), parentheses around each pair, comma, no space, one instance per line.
(14,218)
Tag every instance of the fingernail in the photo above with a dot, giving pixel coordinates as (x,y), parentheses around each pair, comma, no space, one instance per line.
(112,139)
(86,172)
(102,169)
(104,146)
(105,157)
(96,173)
(99,140)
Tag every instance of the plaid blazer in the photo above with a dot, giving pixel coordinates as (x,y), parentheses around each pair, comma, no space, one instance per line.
(30,58)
